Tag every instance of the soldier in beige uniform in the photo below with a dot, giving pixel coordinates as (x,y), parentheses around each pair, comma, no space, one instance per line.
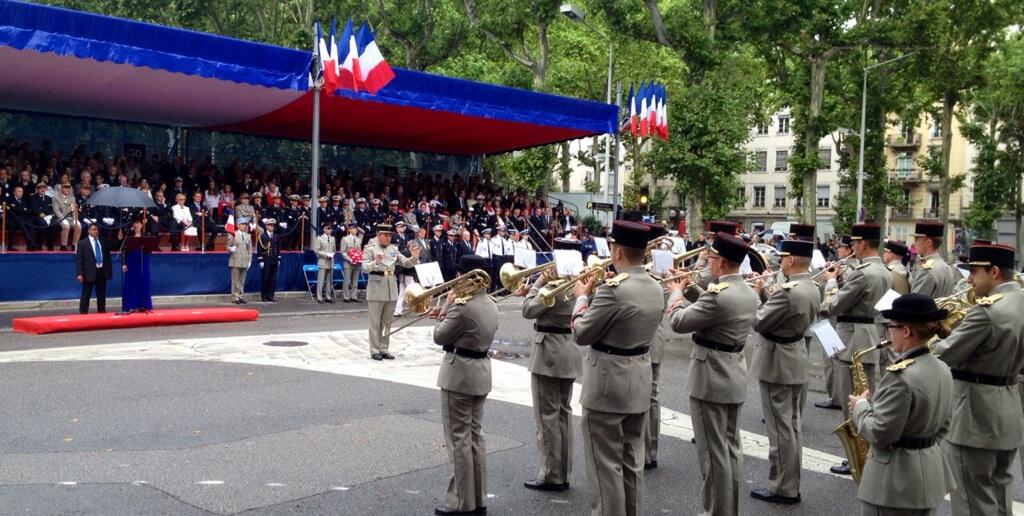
(854,308)
(721,318)
(64,206)
(379,259)
(844,252)
(932,276)
(658,343)
(781,367)
(895,256)
(906,472)
(714,227)
(349,268)
(239,244)
(618,322)
(468,322)
(324,249)
(555,362)
(986,353)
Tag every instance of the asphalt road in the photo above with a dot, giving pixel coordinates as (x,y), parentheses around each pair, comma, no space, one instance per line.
(185,437)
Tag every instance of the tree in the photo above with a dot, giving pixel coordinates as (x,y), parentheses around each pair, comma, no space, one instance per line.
(427,31)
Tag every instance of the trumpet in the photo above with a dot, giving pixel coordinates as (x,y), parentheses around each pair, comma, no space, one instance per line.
(768,275)
(841,264)
(549,294)
(681,275)
(419,299)
(654,244)
(512,278)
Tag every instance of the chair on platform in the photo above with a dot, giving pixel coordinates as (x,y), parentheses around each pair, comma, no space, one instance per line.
(309,272)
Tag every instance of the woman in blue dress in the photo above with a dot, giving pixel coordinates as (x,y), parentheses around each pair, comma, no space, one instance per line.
(136,295)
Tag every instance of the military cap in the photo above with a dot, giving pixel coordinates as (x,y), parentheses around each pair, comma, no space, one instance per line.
(383,228)
(361,199)
(270,222)
(470,262)
(568,244)
(801,248)
(928,228)
(979,241)
(335,197)
(438,228)
(276,195)
(294,197)
(452,232)
(394,202)
(486,231)
(178,179)
(723,226)
(896,247)
(399,224)
(41,185)
(65,185)
(845,241)
(375,201)
(513,231)
(730,247)
(802,232)
(657,230)
(865,231)
(914,307)
(989,255)
(323,199)
(630,234)
(242,220)
(306,197)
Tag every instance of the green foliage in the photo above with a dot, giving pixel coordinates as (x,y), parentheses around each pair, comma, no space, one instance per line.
(529,169)
(593,225)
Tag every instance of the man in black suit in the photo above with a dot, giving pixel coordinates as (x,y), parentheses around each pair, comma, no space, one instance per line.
(268,255)
(93,269)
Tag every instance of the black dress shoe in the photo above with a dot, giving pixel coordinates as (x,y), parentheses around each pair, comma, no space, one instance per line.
(242,302)
(767,496)
(377,356)
(444,510)
(319,301)
(827,405)
(331,301)
(542,486)
(387,356)
(841,469)
(651,465)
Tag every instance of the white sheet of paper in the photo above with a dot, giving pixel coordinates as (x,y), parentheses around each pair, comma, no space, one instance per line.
(678,245)
(429,274)
(885,302)
(601,246)
(568,262)
(745,266)
(661,260)
(525,258)
(828,337)
(964,272)
(817,260)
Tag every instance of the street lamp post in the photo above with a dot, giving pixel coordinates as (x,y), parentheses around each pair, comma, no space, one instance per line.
(863,120)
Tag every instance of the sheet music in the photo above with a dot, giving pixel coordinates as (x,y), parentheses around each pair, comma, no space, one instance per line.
(661,261)
(568,262)
(885,303)
(601,246)
(828,337)
(745,266)
(678,245)
(525,258)
(429,274)
(817,260)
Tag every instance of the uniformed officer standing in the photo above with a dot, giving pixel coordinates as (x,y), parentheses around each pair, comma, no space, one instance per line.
(721,318)
(618,322)
(906,471)
(845,254)
(658,343)
(986,353)
(854,309)
(324,249)
(781,367)
(465,331)
(932,276)
(555,362)
(268,255)
(894,256)
(380,257)
(350,268)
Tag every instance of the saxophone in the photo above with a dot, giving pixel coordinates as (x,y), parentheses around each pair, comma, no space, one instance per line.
(854,445)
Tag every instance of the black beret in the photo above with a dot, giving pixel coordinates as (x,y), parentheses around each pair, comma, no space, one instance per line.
(630,234)
(730,247)
(929,228)
(897,247)
(470,262)
(987,255)
(800,248)
(565,243)
(802,231)
(914,308)
(866,231)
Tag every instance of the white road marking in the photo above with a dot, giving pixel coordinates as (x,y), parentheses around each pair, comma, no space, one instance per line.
(347,353)
(210,482)
(339,488)
(69,483)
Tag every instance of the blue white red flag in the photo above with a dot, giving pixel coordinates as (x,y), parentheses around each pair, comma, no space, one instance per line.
(375,73)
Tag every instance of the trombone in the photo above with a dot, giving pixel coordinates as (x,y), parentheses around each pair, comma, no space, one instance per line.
(549,294)
(841,264)
(420,300)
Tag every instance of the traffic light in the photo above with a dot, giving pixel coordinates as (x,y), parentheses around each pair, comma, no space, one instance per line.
(643,204)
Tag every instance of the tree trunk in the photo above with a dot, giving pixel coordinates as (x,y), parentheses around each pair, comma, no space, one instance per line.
(594,146)
(948,104)
(811,137)
(564,171)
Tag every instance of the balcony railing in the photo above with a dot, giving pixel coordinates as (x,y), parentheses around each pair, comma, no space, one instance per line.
(903,141)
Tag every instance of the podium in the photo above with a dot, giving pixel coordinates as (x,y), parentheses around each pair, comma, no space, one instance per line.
(137,291)
(147,244)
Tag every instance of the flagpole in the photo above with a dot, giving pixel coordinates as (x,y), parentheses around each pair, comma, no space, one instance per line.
(615,163)
(313,194)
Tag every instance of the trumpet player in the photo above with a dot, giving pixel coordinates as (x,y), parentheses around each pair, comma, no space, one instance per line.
(903,421)
(380,257)
(781,368)
(895,258)
(466,328)
(555,363)
(831,364)
(721,318)
(657,353)
(617,320)
(932,277)
(986,353)
(853,306)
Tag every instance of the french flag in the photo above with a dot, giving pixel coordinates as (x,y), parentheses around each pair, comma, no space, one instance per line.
(632,111)
(644,109)
(652,110)
(328,58)
(375,73)
(663,115)
(229,226)
(348,59)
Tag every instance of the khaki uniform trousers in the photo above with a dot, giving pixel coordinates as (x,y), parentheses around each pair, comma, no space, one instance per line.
(782,409)
(238,282)
(983,480)
(654,419)
(844,383)
(720,454)
(830,378)
(324,284)
(381,315)
(350,285)
(613,446)
(868,509)
(462,416)
(553,413)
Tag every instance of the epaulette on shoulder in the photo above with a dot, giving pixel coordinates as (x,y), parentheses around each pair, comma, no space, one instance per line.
(614,282)
(899,366)
(861,266)
(462,300)
(717,287)
(988,300)
(928,264)
(790,285)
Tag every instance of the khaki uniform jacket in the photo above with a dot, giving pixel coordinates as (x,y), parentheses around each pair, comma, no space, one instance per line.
(63,206)
(468,326)
(248,211)
(863,285)
(900,282)
(789,312)
(553,355)
(989,340)
(913,402)
(240,247)
(324,249)
(725,317)
(383,287)
(624,316)
(661,337)
(933,277)
(349,242)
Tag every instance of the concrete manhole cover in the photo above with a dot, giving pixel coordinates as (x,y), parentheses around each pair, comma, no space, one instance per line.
(285,343)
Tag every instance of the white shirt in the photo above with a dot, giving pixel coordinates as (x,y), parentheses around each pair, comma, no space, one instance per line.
(483,248)
(497,249)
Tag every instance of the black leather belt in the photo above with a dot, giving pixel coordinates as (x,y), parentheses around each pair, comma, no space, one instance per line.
(914,443)
(621,352)
(855,319)
(717,346)
(782,340)
(557,330)
(984,379)
(463,352)
(379,273)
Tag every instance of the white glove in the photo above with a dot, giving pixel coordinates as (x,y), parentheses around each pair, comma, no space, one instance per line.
(261,265)
(232,248)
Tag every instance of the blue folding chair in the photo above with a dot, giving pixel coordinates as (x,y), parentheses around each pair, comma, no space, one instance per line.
(309,272)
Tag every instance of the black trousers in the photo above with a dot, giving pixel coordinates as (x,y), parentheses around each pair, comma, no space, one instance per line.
(101,294)
(268,282)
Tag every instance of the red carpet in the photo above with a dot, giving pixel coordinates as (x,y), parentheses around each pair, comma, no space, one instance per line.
(111,321)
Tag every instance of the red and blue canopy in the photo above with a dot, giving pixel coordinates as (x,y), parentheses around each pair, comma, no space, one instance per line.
(68,62)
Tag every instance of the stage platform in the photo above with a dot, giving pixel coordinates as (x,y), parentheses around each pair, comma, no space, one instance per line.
(112,321)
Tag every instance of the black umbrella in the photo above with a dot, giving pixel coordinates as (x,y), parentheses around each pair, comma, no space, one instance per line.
(121,197)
